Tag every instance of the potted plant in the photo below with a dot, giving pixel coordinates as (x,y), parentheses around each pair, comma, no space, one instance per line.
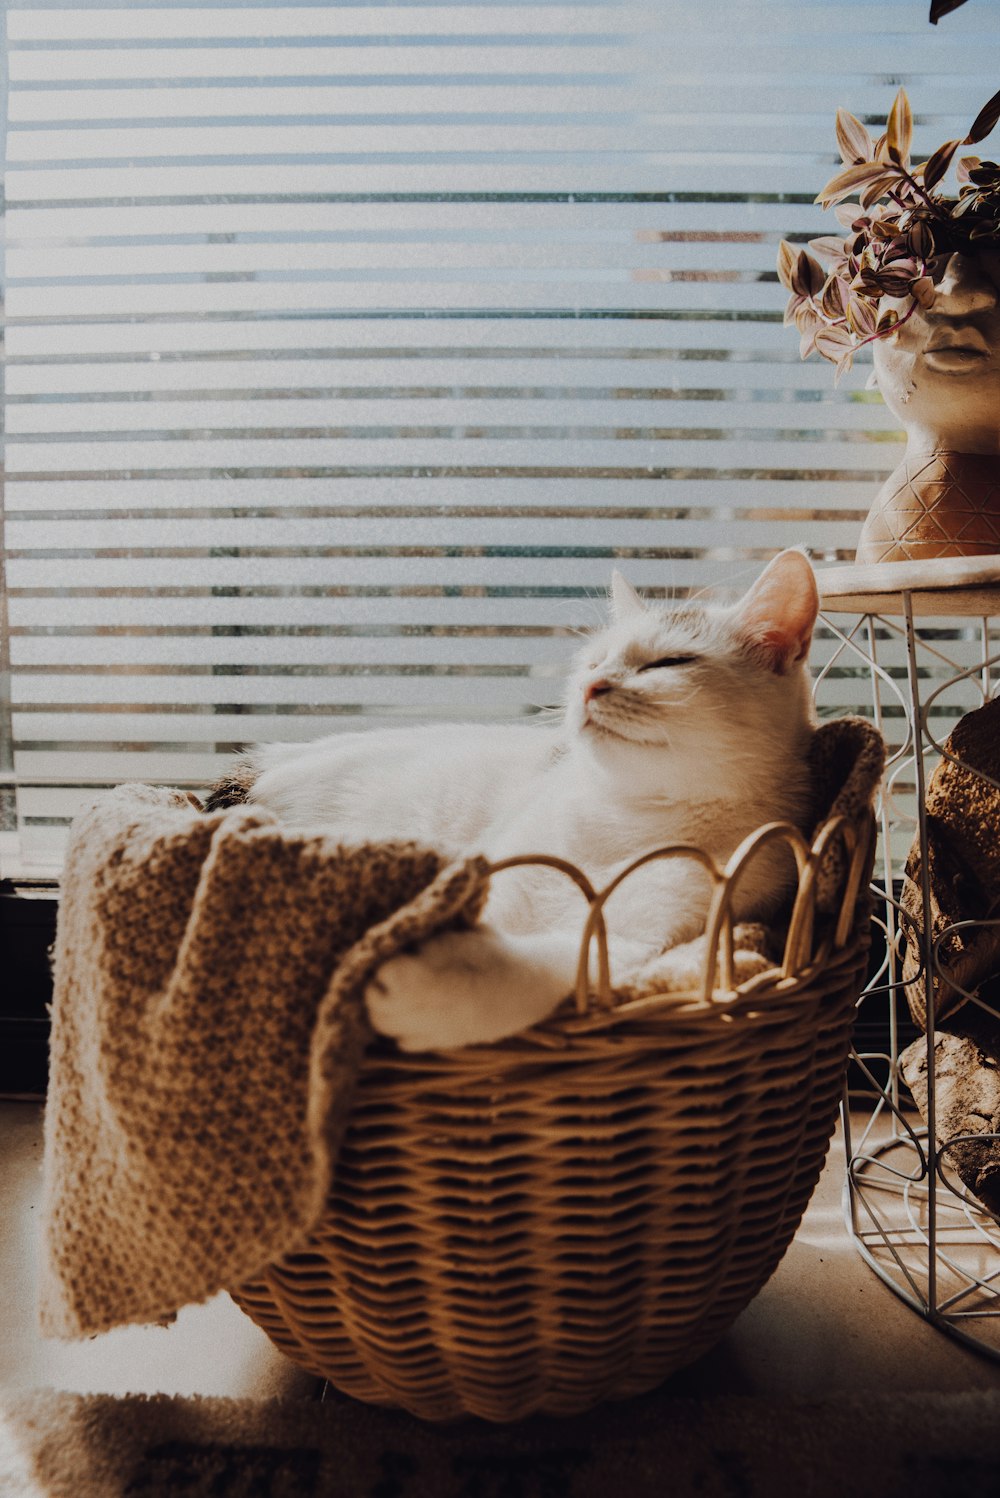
(917,276)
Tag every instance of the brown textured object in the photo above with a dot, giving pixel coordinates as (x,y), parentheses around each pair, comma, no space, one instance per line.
(967,1099)
(963,867)
(940,504)
(207,1033)
(536,1225)
(963,862)
(570,1217)
(528,1230)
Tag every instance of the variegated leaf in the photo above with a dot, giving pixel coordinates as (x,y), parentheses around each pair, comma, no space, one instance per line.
(828,247)
(936,165)
(787,255)
(807,275)
(920,239)
(899,128)
(831,342)
(877,188)
(845,182)
(833,299)
(848,214)
(861,316)
(984,121)
(855,143)
(805,317)
(843,365)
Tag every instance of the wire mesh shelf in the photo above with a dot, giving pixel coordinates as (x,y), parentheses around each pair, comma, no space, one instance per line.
(931,650)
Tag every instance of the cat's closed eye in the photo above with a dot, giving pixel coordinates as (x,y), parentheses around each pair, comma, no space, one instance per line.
(667,660)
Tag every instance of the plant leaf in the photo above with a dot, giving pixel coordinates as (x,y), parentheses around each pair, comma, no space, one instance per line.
(848,214)
(941,8)
(856,145)
(787,256)
(828,247)
(899,128)
(833,299)
(808,277)
(920,239)
(877,187)
(937,164)
(861,316)
(831,342)
(843,365)
(845,182)
(984,122)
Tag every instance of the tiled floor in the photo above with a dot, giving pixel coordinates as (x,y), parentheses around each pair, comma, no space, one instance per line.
(823,1323)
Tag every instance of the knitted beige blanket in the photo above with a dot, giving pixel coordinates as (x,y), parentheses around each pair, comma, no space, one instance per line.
(209,1023)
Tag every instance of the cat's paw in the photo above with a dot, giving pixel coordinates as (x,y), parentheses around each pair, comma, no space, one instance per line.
(469,988)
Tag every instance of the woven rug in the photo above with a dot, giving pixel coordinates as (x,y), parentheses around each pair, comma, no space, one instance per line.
(57,1445)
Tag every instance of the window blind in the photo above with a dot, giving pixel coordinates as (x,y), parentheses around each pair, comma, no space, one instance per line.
(349,347)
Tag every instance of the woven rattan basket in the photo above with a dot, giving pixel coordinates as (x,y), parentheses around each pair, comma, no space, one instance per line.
(571,1215)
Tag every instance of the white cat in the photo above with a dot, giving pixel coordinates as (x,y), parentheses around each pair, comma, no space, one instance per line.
(681,725)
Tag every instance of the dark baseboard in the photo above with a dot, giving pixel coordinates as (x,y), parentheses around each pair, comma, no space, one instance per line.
(27,931)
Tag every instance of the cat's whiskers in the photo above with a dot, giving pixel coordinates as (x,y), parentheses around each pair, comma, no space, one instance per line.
(660,701)
(677,725)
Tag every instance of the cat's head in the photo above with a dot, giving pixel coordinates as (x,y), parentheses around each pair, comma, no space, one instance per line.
(699,677)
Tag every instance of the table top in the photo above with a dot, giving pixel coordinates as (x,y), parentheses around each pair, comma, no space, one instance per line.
(948,587)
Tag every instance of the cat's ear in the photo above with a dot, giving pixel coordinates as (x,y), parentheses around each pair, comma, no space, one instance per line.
(777,616)
(625,601)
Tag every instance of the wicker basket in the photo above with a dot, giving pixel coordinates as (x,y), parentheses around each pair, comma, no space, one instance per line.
(572,1215)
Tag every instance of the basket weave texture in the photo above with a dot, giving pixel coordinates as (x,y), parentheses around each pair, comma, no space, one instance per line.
(571,1215)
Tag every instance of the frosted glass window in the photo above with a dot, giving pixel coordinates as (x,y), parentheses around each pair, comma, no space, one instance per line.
(349,346)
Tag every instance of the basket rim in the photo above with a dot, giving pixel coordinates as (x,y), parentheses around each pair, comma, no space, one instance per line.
(813,938)
(570,1037)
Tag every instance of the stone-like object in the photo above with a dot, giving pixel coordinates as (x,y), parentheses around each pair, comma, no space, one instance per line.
(966,1102)
(939,374)
(963,862)
(933,505)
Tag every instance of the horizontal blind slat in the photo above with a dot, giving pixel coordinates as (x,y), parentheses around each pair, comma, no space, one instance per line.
(349,347)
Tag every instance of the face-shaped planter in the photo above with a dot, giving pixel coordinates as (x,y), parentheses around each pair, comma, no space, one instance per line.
(939,374)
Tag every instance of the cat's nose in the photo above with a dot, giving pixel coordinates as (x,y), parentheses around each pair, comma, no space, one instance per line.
(596,688)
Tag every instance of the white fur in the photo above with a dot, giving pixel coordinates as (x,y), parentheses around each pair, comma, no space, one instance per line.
(701,752)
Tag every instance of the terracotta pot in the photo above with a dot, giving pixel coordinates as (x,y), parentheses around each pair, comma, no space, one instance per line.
(939,504)
(939,374)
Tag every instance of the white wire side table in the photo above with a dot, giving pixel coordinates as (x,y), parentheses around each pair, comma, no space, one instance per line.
(927,637)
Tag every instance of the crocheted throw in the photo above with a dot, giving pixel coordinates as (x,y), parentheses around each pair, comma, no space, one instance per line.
(207,1031)
(209,1024)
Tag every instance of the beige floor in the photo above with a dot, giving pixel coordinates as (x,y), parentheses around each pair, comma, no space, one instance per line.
(824,1322)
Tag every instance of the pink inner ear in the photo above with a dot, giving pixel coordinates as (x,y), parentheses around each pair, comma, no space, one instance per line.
(779,612)
(784,649)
